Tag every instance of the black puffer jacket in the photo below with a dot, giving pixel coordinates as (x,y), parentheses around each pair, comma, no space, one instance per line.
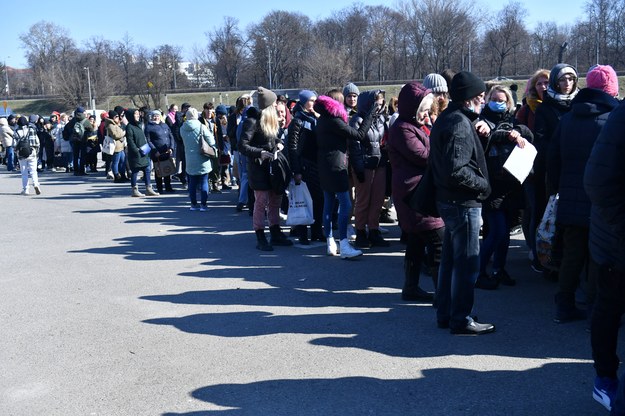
(604,182)
(253,142)
(366,153)
(302,140)
(506,191)
(457,158)
(569,150)
(333,136)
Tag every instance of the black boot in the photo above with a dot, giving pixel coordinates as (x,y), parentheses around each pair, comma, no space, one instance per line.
(168,187)
(412,271)
(302,232)
(262,243)
(118,178)
(278,238)
(376,240)
(316,233)
(566,311)
(361,239)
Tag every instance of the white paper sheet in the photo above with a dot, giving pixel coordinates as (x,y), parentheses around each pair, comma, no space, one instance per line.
(520,161)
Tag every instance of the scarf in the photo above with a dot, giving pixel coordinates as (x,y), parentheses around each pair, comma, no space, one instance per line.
(565,98)
(533,103)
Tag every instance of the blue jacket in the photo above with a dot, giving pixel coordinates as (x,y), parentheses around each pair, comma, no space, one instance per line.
(569,150)
(197,163)
(604,181)
(160,137)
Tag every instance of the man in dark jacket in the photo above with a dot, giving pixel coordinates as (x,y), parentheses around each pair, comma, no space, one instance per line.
(604,182)
(569,150)
(79,144)
(461,180)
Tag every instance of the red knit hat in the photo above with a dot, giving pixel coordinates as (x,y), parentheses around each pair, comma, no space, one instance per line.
(603,77)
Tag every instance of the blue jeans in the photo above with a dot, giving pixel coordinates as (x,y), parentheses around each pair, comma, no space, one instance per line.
(460,262)
(345,207)
(243,178)
(202,180)
(10,155)
(147,171)
(497,241)
(118,164)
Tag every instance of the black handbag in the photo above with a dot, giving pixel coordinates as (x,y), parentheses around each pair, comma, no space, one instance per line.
(422,199)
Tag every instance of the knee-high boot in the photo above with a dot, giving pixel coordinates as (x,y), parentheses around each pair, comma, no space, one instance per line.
(412,272)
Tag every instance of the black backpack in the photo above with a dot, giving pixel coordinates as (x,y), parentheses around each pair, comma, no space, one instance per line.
(23,148)
(280,173)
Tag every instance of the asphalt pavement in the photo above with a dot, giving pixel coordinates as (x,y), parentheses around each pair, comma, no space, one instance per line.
(113,305)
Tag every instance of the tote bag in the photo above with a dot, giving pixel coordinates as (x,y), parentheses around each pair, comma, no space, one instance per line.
(300,205)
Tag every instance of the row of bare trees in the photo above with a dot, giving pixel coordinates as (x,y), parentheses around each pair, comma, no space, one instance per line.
(360,43)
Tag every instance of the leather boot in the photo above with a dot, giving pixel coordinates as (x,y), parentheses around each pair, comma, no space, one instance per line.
(278,238)
(566,311)
(412,271)
(136,193)
(118,178)
(262,243)
(150,192)
(376,240)
(361,239)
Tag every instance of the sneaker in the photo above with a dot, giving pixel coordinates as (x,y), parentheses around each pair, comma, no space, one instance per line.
(605,391)
(240,206)
(37,190)
(194,208)
(516,230)
(25,192)
(203,208)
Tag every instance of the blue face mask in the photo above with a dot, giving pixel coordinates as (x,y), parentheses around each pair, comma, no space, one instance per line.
(497,107)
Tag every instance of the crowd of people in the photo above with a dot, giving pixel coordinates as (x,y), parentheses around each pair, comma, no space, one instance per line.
(441,142)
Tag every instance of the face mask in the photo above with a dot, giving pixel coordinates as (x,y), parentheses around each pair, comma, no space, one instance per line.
(497,107)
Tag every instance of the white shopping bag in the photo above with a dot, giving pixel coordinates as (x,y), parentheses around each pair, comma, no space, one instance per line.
(300,205)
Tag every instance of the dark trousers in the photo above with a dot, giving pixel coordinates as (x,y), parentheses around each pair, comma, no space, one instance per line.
(608,309)
(575,258)
(79,151)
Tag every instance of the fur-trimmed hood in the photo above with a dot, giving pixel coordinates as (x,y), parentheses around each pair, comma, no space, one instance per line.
(328,106)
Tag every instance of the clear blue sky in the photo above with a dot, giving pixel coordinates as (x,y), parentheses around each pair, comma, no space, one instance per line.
(154,23)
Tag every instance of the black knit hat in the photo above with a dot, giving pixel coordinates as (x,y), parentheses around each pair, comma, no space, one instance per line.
(465,86)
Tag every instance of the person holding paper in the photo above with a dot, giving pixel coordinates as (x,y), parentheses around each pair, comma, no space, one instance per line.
(506,196)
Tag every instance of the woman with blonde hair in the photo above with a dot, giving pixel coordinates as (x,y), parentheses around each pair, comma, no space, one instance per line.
(506,197)
(536,87)
(260,143)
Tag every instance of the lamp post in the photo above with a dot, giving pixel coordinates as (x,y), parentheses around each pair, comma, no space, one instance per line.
(6,74)
(89,84)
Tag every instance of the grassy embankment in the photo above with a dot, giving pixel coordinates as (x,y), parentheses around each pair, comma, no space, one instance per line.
(45,107)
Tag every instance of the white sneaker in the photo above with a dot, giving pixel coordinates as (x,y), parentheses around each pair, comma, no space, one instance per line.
(24,192)
(332,248)
(347,251)
(109,175)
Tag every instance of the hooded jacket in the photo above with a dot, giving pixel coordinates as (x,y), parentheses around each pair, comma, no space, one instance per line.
(570,149)
(408,147)
(197,163)
(547,117)
(457,158)
(333,136)
(366,153)
(135,139)
(604,182)
(6,133)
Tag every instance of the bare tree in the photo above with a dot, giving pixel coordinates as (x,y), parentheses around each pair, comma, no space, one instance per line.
(228,49)
(504,37)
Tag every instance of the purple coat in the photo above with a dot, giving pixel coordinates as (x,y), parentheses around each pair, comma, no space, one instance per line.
(408,150)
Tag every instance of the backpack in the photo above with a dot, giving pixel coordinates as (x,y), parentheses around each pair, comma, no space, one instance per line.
(78,132)
(67,133)
(23,148)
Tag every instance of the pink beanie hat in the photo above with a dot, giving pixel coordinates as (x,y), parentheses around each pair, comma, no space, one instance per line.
(603,77)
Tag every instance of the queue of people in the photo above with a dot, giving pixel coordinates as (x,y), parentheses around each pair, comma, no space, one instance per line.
(446,141)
